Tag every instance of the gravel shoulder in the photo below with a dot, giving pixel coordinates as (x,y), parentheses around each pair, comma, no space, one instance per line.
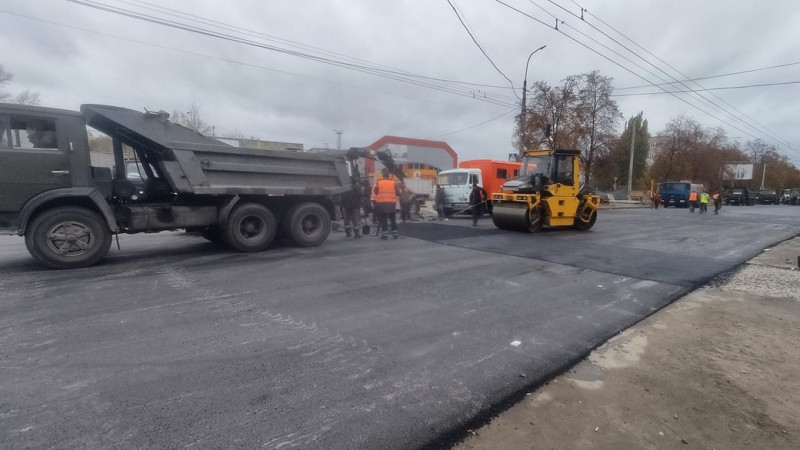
(716,370)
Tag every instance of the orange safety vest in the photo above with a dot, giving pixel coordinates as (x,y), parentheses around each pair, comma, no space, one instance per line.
(693,197)
(385,190)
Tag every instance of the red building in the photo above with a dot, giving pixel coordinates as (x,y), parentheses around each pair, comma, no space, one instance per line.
(417,158)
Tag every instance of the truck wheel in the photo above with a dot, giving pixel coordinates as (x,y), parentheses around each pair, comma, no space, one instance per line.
(251,228)
(307,224)
(68,237)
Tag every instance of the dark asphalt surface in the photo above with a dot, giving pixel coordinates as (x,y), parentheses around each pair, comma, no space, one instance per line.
(174,342)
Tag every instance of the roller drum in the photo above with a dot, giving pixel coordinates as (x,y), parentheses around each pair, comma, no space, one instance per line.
(512,216)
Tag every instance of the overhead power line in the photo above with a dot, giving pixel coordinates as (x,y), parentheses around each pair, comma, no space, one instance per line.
(198,54)
(763,131)
(558,22)
(476,125)
(711,77)
(698,94)
(291,43)
(709,89)
(401,76)
(478,44)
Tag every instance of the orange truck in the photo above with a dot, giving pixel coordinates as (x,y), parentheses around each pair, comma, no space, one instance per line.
(457,183)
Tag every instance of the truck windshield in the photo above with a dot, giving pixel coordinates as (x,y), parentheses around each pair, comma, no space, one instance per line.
(456,178)
(536,164)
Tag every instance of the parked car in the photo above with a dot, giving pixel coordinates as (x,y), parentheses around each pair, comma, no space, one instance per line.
(767,197)
(790,196)
(737,196)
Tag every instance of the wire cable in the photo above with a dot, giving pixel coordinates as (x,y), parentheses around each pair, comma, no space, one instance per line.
(479,45)
(626,68)
(235,39)
(764,130)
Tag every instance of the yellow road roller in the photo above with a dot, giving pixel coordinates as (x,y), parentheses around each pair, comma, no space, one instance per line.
(547,192)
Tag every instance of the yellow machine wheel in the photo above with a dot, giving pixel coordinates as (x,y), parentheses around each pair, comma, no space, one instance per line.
(586,218)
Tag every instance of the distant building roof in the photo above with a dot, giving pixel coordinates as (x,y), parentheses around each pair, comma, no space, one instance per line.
(409,150)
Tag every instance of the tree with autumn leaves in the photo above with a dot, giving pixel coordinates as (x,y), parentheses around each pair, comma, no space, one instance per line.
(582,115)
(686,150)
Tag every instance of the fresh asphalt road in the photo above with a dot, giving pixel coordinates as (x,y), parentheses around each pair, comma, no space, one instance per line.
(174,342)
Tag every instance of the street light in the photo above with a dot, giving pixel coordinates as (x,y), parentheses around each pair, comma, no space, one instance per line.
(523,112)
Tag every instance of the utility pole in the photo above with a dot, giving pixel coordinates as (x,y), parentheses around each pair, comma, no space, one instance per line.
(523,112)
(630,166)
(338,139)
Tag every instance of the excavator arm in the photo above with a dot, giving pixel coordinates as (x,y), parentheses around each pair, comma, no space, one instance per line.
(384,156)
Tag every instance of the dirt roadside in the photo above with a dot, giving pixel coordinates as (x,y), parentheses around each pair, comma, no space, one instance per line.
(717,369)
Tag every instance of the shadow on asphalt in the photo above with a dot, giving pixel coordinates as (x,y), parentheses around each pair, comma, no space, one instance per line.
(434,231)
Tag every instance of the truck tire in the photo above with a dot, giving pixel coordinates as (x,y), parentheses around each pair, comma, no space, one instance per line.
(251,228)
(307,224)
(68,237)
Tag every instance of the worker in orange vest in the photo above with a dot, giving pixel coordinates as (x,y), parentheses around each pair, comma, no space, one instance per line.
(692,201)
(386,193)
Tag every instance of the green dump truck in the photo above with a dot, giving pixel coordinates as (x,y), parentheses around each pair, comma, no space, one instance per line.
(69,210)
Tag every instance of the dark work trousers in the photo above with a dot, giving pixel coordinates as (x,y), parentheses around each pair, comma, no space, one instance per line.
(405,211)
(352,221)
(477,212)
(386,215)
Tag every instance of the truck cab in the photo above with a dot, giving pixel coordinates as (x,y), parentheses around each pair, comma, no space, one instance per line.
(42,151)
(457,185)
(490,175)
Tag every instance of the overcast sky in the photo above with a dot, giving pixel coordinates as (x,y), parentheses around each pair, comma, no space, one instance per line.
(72,53)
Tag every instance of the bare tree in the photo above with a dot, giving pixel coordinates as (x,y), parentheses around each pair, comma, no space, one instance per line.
(598,116)
(674,146)
(764,155)
(191,119)
(553,106)
(581,113)
(685,150)
(28,98)
(25,98)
